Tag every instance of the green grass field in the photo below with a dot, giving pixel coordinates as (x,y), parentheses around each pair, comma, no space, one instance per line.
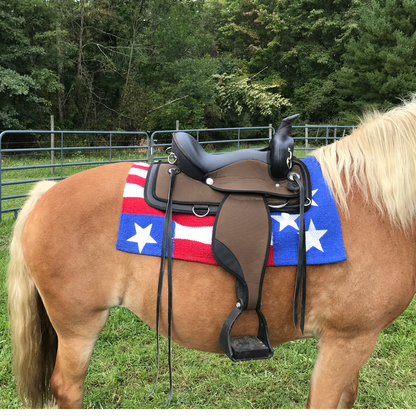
(123,366)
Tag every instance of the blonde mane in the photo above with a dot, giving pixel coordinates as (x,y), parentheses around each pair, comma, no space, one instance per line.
(380,158)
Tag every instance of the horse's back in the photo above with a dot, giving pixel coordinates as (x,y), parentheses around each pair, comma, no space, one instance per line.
(81,195)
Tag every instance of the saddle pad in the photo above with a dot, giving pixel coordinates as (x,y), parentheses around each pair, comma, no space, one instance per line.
(141,226)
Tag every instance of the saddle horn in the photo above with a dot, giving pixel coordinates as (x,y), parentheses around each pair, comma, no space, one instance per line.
(281,148)
(285,127)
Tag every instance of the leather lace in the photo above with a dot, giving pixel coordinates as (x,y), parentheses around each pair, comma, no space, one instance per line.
(167,235)
(301,267)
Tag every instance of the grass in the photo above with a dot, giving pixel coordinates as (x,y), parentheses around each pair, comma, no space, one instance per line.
(123,366)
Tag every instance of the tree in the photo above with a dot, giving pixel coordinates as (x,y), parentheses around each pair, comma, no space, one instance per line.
(380,60)
(141,57)
(309,43)
(300,42)
(21,79)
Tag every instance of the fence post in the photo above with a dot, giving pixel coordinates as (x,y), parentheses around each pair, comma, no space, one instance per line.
(177,124)
(1,164)
(151,147)
(111,146)
(62,155)
(270,131)
(52,145)
(306,141)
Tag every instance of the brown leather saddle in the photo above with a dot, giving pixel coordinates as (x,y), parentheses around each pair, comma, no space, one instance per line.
(241,189)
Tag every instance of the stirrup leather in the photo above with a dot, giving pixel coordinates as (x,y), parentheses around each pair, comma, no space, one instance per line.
(243,217)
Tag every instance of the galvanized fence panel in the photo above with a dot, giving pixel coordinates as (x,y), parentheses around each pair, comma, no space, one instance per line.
(306,138)
(310,137)
(111,148)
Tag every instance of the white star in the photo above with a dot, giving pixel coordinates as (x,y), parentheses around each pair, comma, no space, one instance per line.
(286,220)
(142,236)
(312,237)
(313,202)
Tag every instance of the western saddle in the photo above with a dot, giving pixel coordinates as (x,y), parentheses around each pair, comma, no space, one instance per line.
(241,188)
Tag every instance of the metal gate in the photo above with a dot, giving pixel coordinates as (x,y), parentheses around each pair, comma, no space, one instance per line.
(15,179)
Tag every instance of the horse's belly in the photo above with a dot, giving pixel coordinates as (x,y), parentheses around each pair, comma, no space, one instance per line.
(203,296)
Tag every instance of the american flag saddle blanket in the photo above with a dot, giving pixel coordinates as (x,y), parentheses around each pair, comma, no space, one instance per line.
(141,226)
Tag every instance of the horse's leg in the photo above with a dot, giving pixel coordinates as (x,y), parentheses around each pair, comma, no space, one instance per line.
(349,395)
(336,368)
(72,361)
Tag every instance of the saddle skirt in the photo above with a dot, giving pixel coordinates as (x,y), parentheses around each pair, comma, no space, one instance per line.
(141,226)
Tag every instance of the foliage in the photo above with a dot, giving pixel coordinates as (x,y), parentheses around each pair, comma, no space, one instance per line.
(379,61)
(304,43)
(237,95)
(20,79)
(143,64)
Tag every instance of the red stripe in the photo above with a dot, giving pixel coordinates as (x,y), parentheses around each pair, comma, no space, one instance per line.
(137,180)
(138,206)
(199,252)
(193,251)
(270,260)
(191,220)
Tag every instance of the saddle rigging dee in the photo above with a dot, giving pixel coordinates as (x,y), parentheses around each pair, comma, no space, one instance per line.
(240,188)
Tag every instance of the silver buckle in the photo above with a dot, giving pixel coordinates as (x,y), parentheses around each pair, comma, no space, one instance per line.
(171,154)
(289,159)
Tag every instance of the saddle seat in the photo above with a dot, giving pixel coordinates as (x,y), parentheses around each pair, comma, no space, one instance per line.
(195,162)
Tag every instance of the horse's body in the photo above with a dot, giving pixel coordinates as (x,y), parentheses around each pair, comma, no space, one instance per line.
(67,237)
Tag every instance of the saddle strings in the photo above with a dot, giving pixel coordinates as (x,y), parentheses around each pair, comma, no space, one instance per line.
(167,234)
(301,267)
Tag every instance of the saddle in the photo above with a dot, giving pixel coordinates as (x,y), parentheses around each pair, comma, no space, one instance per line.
(241,188)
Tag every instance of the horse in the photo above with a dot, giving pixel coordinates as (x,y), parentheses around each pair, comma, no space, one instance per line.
(65,274)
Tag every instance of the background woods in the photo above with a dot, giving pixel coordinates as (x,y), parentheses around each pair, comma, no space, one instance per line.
(143,64)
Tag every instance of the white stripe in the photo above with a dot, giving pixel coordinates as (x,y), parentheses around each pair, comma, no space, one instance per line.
(141,164)
(132,190)
(199,234)
(138,172)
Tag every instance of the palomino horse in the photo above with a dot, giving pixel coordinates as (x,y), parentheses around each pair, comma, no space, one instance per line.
(65,273)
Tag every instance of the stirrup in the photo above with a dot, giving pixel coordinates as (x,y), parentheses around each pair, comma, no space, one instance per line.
(245,348)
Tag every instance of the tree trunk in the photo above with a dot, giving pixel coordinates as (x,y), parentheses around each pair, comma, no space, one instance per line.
(60,63)
(81,33)
(87,108)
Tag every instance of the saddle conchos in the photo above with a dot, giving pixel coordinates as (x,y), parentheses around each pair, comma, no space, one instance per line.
(240,188)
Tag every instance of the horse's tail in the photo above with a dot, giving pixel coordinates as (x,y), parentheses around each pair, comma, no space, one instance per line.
(34,341)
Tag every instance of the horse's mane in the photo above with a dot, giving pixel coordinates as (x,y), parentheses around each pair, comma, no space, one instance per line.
(379,158)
